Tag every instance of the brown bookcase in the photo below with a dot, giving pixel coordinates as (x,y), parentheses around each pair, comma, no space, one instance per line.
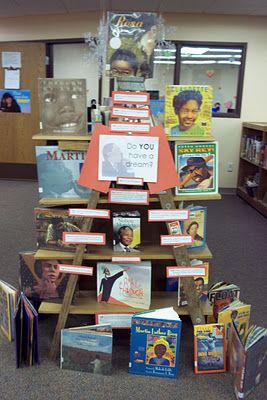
(253,165)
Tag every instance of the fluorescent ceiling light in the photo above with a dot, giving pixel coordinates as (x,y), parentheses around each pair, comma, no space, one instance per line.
(194,50)
(215,56)
(165,57)
(163,62)
(199,62)
(229,62)
(226,50)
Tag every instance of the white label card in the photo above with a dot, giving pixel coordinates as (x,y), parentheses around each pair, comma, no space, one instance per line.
(130,112)
(168,215)
(130,127)
(174,240)
(178,272)
(115,320)
(126,259)
(75,269)
(128,196)
(130,181)
(85,238)
(130,97)
(89,212)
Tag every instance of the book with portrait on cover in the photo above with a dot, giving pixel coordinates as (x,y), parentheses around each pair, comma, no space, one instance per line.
(126,231)
(8,301)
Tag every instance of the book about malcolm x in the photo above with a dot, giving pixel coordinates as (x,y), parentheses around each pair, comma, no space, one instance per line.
(87,349)
(126,231)
(155,343)
(131,42)
(8,301)
(50,224)
(188,110)
(197,168)
(62,105)
(124,284)
(58,172)
(41,279)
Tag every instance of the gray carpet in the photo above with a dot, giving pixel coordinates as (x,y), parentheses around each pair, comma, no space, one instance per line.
(237,239)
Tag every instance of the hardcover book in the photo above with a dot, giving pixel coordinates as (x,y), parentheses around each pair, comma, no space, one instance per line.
(157,111)
(50,225)
(209,348)
(126,231)
(58,172)
(196,226)
(197,167)
(8,301)
(124,284)
(220,294)
(201,283)
(248,359)
(41,279)
(87,349)
(62,105)
(155,343)
(188,110)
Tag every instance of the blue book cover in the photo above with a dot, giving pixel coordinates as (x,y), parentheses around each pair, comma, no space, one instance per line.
(155,343)
(157,111)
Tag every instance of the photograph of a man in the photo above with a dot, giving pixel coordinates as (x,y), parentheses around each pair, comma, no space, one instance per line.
(125,235)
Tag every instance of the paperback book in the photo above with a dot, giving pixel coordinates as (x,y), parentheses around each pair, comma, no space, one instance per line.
(50,225)
(196,226)
(87,349)
(126,231)
(58,172)
(62,105)
(41,279)
(201,284)
(8,301)
(155,343)
(220,294)
(248,359)
(209,348)
(197,167)
(157,112)
(124,284)
(188,110)
(26,333)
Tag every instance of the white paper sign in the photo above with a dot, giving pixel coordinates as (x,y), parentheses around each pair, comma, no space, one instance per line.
(85,238)
(174,240)
(177,272)
(11,59)
(115,320)
(136,113)
(130,97)
(129,127)
(130,181)
(168,215)
(128,196)
(128,156)
(12,79)
(89,212)
(75,269)
(120,259)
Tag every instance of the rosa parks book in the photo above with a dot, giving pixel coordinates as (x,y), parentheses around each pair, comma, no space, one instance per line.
(188,110)
(124,284)
(209,348)
(155,343)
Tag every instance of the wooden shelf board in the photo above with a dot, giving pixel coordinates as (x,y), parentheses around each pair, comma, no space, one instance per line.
(44,136)
(252,162)
(86,304)
(209,138)
(105,253)
(253,201)
(65,201)
(259,126)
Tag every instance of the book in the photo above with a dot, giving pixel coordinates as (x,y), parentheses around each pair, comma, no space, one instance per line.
(50,224)
(124,284)
(222,293)
(87,349)
(157,111)
(188,110)
(201,283)
(8,301)
(126,231)
(62,105)
(58,172)
(155,343)
(248,359)
(197,167)
(196,226)
(209,348)
(26,333)
(40,279)
(238,313)
(131,39)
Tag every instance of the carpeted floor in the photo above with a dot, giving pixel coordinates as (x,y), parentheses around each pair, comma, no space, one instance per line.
(237,238)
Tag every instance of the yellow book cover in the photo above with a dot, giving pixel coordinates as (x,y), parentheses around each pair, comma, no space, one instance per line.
(240,315)
(188,110)
(5,314)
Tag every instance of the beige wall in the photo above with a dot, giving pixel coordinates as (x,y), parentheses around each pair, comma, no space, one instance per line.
(252,30)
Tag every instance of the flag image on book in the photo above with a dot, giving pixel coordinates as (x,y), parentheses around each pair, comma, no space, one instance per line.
(196,226)
(26,333)
(220,294)
(126,231)
(197,167)
(62,105)
(50,225)
(248,359)
(209,348)
(155,343)
(124,284)
(8,301)
(58,172)
(188,110)
(87,349)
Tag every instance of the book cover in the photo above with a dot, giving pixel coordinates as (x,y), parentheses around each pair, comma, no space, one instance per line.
(220,294)
(62,106)
(157,111)
(209,348)
(197,167)
(58,172)
(131,42)
(8,300)
(188,110)
(124,284)
(155,343)
(248,360)
(50,224)
(41,279)
(87,349)
(201,284)
(196,226)
(126,231)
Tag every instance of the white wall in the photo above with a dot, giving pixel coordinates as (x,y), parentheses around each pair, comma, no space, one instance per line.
(252,30)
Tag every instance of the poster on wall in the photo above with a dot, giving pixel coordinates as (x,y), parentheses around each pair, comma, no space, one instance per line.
(131,43)
(15,101)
